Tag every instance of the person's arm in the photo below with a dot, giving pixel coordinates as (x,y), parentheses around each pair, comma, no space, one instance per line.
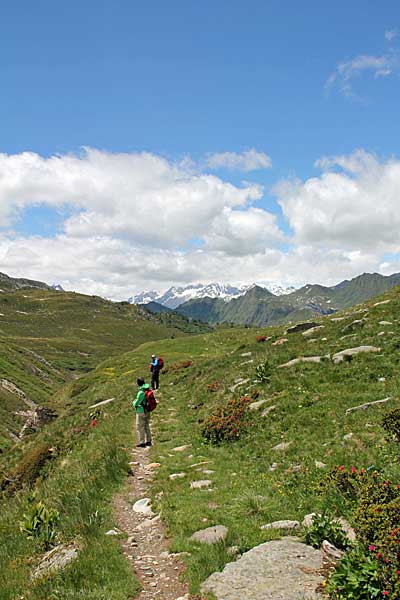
(139,399)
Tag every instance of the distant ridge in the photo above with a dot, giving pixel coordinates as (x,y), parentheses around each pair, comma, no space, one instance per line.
(175,296)
(15,283)
(259,307)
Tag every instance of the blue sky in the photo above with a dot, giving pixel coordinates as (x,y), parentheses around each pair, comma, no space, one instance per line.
(184,79)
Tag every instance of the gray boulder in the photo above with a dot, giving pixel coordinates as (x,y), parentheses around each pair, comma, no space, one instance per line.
(278,570)
(210,535)
(350,352)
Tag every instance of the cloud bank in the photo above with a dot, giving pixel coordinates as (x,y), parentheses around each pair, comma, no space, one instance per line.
(138,221)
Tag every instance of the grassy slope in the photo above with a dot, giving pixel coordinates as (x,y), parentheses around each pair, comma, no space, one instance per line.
(310,400)
(47,336)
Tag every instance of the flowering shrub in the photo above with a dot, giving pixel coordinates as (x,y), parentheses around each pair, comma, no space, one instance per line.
(391,424)
(356,577)
(227,422)
(372,570)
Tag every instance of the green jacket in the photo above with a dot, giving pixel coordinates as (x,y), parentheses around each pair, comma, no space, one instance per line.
(140,398)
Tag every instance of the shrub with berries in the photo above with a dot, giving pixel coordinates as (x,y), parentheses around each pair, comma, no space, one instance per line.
(228,422)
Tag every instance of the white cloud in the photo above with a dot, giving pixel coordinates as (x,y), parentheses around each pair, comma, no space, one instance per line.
(390,34)
(354,204)
(379,66)
(249,160)
(140,196)
(141,222)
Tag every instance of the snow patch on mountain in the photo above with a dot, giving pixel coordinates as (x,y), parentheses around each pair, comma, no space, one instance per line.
(175,296)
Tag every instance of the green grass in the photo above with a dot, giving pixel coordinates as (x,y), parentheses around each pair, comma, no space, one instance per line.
(311,402)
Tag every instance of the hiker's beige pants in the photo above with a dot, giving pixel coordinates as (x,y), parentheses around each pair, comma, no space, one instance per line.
(143,427)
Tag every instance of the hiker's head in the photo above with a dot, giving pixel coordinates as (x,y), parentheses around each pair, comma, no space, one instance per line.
(153,356)
(140,381)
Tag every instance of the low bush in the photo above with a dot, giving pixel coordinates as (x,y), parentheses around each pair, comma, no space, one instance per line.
(356,578)
(323,527)
(261,338)
(391,425)
(40,523)
(263,372)
(228,422)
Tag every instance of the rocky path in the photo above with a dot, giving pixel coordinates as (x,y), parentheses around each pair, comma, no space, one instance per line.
(146,546)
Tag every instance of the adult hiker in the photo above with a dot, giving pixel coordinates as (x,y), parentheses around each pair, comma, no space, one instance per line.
(142,415)
(156,365)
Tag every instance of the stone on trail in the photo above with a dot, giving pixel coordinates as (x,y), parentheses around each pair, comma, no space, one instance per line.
(277,570)
(282,525)
(349,352)
(200,484)
(211,535)
(113,532)
(154,465)
(143,506)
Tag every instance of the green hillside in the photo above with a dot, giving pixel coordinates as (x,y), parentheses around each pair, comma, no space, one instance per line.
(258,307)
(49,337)
(252,482)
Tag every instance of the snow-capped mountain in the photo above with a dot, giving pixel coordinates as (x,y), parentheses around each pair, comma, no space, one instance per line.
(175,296)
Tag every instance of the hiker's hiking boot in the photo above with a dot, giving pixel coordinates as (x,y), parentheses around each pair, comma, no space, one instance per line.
(140,445)
(147,444)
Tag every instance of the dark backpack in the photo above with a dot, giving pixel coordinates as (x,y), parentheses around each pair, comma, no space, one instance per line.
(160,363)
(150,403)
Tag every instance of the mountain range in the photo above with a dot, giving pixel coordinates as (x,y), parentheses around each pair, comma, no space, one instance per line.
(175,296)
(258,306)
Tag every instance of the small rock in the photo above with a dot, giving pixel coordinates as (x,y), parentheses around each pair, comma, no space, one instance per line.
(310,332)
(357,324)
(258,404)
(113,532)
(385,323)
(282,525)
(348,436)
(301,359)
(347,354)
(331,552)
(233,550)
(153,465)
(266,412)
(181,448)
(282,446)
(273,467)
(382,302)
(207,471)
(308,519)
(381,379)
(143,506)
(280,342)
(319,464)
(174,476)
(211,535)
(200,484)
(56,559)
(246,354)
(302,327)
